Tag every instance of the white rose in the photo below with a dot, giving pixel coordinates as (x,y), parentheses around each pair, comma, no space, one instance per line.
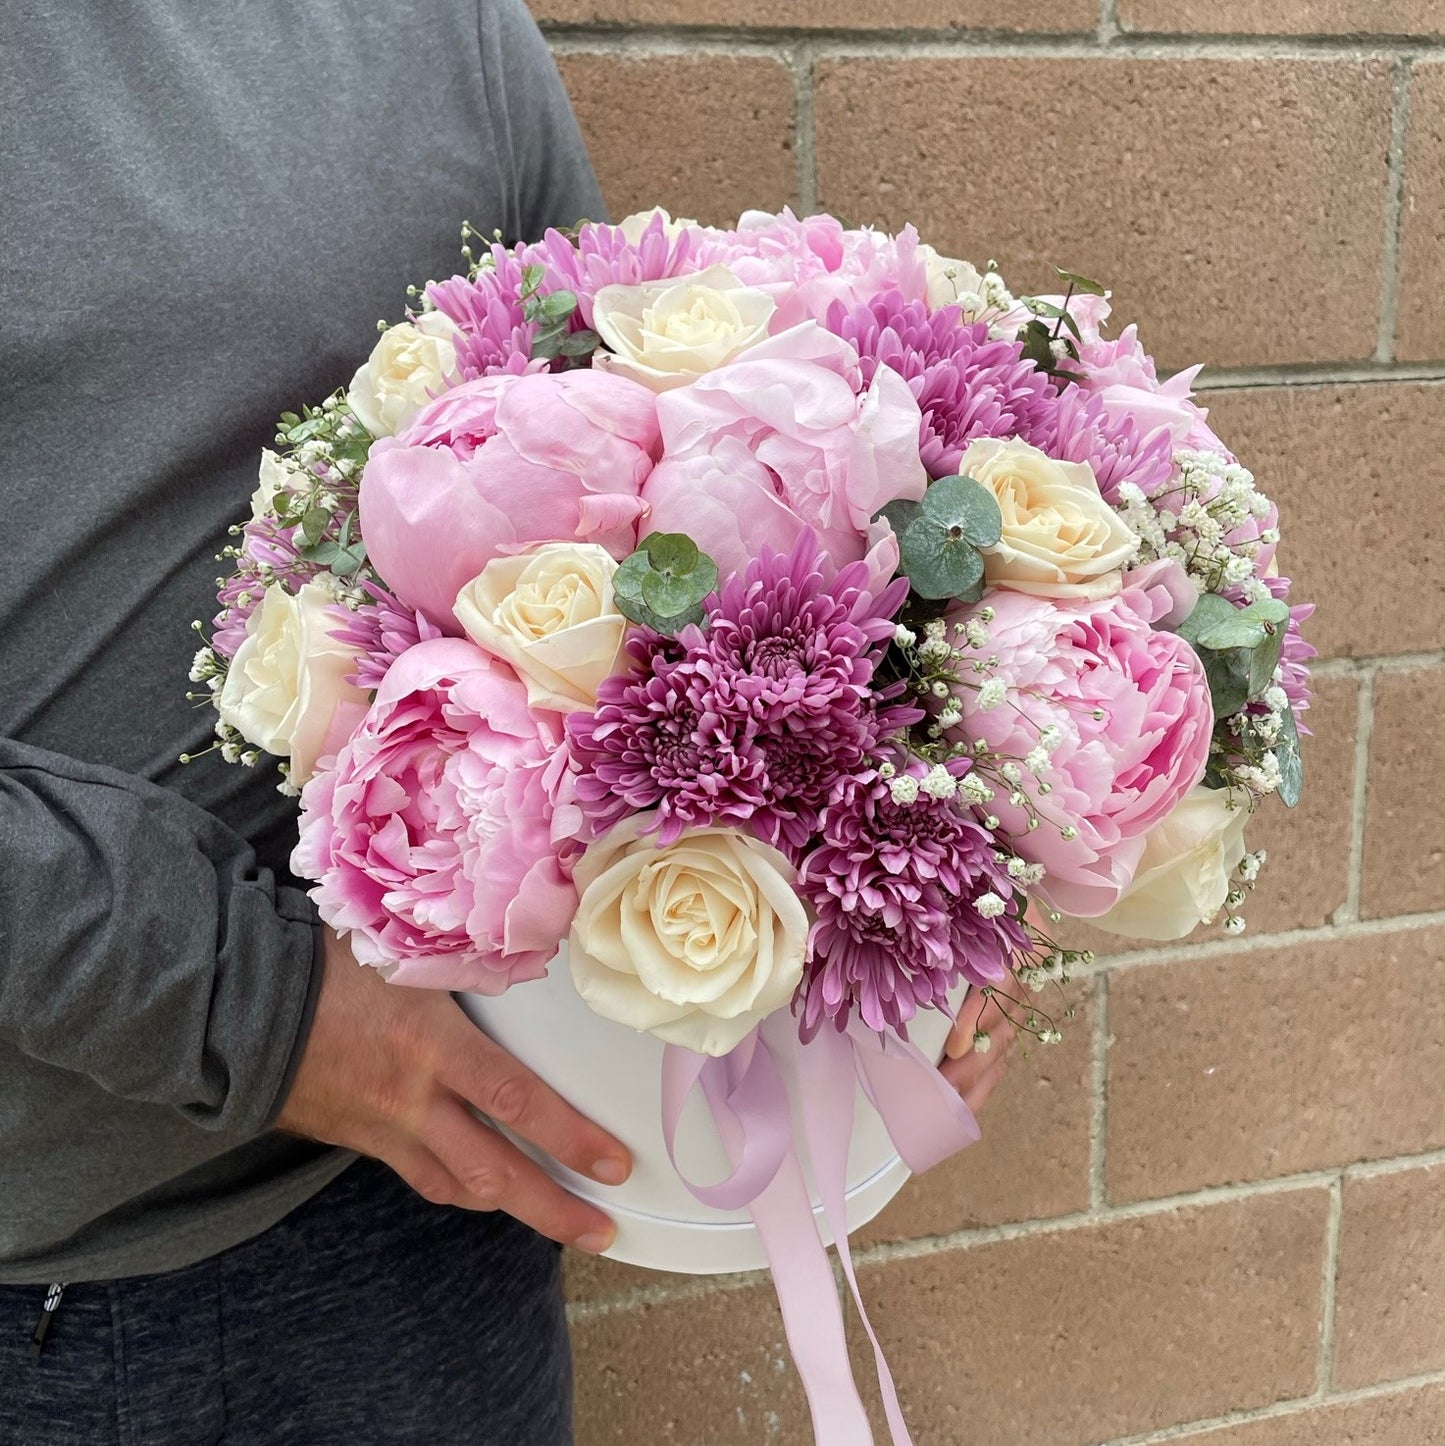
(549,613)
(286,688)
(1190,857)
(1060,538)
(634,225)
(697,943)
(950,280)
(270,480)
(409,365)
(665,333)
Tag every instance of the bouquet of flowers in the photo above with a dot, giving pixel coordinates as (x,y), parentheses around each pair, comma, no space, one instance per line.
(758,637)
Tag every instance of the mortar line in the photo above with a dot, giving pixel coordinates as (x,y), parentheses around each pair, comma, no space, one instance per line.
(1229,948)
(1098,1114)
(1325,1364)
(1108,22)
(979,1235)
(1349,911)
(1376,663)
(805,151)
(1394,208)
(1187,1430)
(836,42)
(1311,374)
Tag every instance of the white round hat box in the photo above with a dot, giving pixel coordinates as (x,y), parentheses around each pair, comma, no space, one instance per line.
(614,1076)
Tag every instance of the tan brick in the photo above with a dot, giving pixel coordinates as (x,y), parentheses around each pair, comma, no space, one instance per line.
(1190,187)
(1420,322)
(1410,1417)
(1283,1060)
(1085,1334)
(704,135)
(1047,1340)
(1353,468)
(1390,1287)
(1284,17)
(1033,1159)
(1404,865)
(1056,16)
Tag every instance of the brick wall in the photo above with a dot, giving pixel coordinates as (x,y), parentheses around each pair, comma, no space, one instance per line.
(1216,1212)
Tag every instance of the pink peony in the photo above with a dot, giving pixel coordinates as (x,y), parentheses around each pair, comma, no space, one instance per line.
(501,462)
(431,839)
(784,439)
(1133,717)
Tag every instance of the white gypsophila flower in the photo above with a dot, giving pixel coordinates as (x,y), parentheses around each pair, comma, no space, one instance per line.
(1050,737)
(1275,698)
(203,666)
(940,689)
(1011,773)
(934,650)
(991,822)
(904,637)
(991,694)
(981,1042)
(1234,924)
(989,905)
(938,782)
(886,771)
(1033,979)
(1050,1036)
(975,788)
(1037,760)
(951,716)
(904,789)
(976,632)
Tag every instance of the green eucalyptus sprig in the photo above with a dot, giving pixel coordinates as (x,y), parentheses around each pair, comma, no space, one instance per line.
(940,539)
(662,585)
(552,316)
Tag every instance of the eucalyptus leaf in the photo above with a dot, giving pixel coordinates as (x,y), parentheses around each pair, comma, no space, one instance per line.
(1228,675)
(938,565)
(580,343)
(627,580)
(1037,340)
(1080,283)
(547,345)
(965,509)
(1246,627)
(558,305)
(314,523)
(671,551)
(1210,610)
(899,514)
(1291,761)
(1059,314)
(532,278)
(323,553)
(670,595)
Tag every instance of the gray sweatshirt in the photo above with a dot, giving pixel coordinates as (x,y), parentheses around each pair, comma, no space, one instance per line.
(205,210)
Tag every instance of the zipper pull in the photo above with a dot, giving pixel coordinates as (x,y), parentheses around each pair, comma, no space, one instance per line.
(53,1296)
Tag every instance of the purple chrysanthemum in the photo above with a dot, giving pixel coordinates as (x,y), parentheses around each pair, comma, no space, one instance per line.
(1083,430)
(967,384)
(756,716)
(896,889)
(381,631)
(264,542)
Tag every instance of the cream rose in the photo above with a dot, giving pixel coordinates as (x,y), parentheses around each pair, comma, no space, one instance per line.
(1190,857)
(549,613)
(1060,538)
(634,225)
(286,688)
(696,943)
(665,333)
(951,281)
(411,363)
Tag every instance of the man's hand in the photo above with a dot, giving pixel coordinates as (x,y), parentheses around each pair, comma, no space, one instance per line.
(971,1071)
(393,1072)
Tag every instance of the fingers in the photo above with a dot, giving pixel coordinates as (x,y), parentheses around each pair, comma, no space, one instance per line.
(493,1174)
(978,1092)
(980,1012)
(974,1073)
(508,1092)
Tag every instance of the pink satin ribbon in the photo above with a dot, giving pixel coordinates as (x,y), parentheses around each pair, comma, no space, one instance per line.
(749,1096)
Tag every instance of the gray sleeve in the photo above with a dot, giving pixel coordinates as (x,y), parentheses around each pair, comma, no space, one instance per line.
(550,180)
(141,945)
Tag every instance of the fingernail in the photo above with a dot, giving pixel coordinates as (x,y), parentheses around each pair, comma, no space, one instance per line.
(958,1045)
(611,1171)
(596,1241)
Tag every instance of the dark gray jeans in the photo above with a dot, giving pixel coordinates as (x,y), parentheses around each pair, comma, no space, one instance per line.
(366,1316)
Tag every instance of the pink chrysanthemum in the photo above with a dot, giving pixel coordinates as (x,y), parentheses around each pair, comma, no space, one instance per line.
(264,542)
(966,383)
(896,890)
(603,256)
(757,716)
(381,631)
(495,337)
(1082,429)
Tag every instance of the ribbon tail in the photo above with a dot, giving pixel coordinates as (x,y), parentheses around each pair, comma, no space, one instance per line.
(827,1085)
